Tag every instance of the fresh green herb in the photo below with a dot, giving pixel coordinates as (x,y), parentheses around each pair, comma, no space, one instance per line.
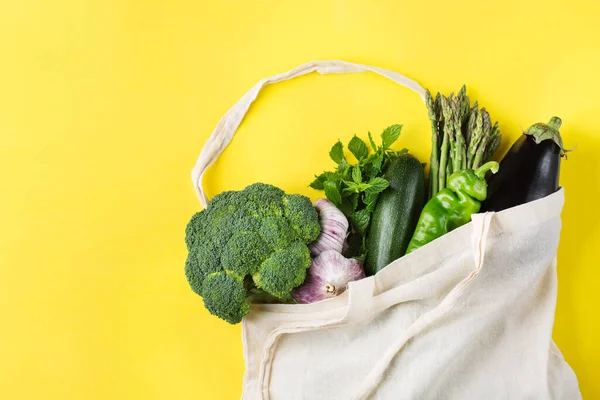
(355,188)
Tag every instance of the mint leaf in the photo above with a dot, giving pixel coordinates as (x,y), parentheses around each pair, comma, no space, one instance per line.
(349,204)
(377,163)
(343,168)
(333,176)
(346,207)
(353,187)
(370,200)
(337,152)
(372,165)
(360,220)
(393,153)
(317,184)
(377,185)
(390,135)
(356,174)
(353,199)
(358,148)
(373,145)
(332,193)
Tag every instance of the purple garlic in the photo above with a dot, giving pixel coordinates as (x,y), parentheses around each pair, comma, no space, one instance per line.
(328,277)
(334,228)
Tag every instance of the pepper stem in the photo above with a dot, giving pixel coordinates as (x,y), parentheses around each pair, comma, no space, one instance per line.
(488,166)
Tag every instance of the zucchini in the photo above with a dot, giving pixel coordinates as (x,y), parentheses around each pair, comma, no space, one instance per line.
(396,213)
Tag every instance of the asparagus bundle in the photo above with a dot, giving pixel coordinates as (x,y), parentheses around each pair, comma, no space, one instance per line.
(462,137)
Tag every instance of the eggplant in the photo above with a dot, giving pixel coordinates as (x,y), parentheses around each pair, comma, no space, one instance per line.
(530,170)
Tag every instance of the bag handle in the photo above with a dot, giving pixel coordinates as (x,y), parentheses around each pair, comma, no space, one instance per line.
(481,228)
(228,125)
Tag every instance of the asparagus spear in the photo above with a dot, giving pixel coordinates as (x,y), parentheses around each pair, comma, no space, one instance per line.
(459,150)
(493,143)
(462,136)
(475,138)
(444,150)
(470,126)
(452,155)
(464,106)
(485,137)
(492,147)
(434,160)
(465,109)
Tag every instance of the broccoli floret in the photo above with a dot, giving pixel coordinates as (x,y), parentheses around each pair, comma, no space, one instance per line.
(244,251)
(264,200)
(259,234)
(302,216)
(208,255)
(193,273)
(224,295)
(196,225)
(284,270)
(277,232)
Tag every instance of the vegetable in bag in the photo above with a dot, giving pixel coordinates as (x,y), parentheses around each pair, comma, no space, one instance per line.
(453,206)
(530,170)
(396,213)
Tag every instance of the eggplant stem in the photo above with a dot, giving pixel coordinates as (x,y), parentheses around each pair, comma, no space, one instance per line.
(541,132)
(555,122)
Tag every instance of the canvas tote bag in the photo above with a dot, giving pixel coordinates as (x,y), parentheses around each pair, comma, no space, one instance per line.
(468,316)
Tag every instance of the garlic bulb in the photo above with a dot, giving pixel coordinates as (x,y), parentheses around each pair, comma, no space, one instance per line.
(334,227)
(328,277)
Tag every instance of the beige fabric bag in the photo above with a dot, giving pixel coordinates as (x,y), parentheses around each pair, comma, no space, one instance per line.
(469,316)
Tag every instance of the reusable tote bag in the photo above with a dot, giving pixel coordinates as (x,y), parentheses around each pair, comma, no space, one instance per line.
(468,316)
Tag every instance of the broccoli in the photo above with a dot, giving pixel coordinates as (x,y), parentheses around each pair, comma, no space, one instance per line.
(246,242)
(284,270)
(225,296)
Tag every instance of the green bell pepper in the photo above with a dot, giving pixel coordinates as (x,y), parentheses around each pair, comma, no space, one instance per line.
(452,207)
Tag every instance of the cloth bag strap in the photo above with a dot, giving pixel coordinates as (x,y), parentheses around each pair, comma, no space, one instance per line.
(228,125)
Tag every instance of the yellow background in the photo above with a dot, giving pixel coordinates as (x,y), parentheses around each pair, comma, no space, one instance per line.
(104,106)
